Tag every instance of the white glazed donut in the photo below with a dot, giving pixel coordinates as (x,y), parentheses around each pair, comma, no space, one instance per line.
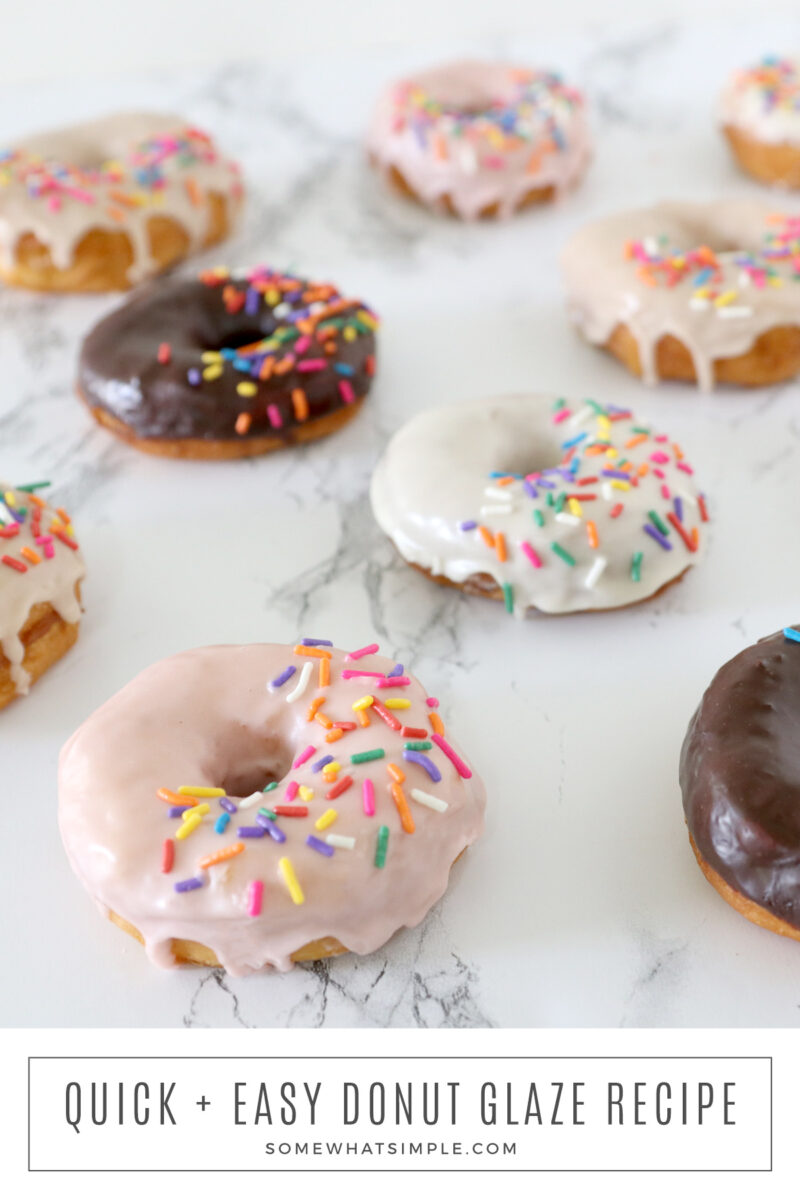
(480,138)
(547,504)
(370,804)
(705,292)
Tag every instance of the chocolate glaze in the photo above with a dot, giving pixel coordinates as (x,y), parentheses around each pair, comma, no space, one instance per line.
(740,775)
(119,369)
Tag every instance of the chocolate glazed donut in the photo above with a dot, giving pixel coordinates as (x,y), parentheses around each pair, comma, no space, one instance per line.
(740,778)
(223,367)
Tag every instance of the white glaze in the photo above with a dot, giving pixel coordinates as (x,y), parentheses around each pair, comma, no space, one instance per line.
(59,224)
(208,717)
(768,114)
(51,581)
(604,288)
(435,474)
(476,167)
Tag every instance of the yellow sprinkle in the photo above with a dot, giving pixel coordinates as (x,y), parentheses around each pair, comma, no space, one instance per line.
(246,389)
(620,485)
(205,793)
(272,296)
(305,793)
(367,319)
(364,702)
(612,452)
(212,372)
(188,826)
(726,298)
(604,424)
(198,810)
(350,334)
(290,879)
(327,818)
(397,703)
(211,356)
(575,508)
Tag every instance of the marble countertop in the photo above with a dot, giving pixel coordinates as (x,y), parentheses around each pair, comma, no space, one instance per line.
(582,905)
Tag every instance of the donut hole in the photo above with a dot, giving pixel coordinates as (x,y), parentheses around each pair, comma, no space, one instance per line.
(254,762)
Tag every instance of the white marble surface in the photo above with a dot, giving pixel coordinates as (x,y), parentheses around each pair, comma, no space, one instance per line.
(582,905)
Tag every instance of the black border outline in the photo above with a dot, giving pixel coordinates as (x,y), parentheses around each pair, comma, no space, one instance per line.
(400,1170)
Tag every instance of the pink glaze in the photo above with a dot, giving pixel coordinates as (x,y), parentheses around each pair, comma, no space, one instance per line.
(481,134)
(207,717)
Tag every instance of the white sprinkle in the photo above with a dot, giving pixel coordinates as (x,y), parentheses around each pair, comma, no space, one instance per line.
(493,510)
(567,519)
(301,684)
(428,800)
(281,310)
(340,841)
(497,494)
(734,310)
(596,570)
(249,801)
(608,491)
(698,303)
(583,416)
(467,158)
(651,246)
(685,496)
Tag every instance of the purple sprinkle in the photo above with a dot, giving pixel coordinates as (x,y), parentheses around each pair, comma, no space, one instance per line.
(274,831)
(614,474)
(315,642)
(465,526)
(264,821)
(188,885)
(227,804)
(679,508)
(320,847)
(176,810)
(251,831)
(321,762)
(545,483)
(252,302)
(280,680)
(194,377)
(657,537)
(416,756)
(397,669)
(530,489)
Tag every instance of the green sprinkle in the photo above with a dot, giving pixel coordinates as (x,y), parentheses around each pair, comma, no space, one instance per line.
(636,567)
(640,429)
(270,786)
(559,404)
(659,524)
(366,756)
(561,500)
(32,487)
(267,812)
(382,846)
(418,746)
(508,597)
(550,501)
(538,517)
(562,553)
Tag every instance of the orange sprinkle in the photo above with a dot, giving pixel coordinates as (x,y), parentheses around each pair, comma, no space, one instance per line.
(312,651)
(437,725)
(193,192)
(300,404)
(243,422)
(395,772)
(363,719)
(116,214)
(487,536)
(30,554)
(500,547)
(504,482)
(37,500)
(65,517)
(321,719)
(401,804)
(220,856)
(316,703)
(284,366)
(635,441)
(644,469)
(334,734)
(173,798)
(676,450)
(591,533)
(266,368)
(324,672)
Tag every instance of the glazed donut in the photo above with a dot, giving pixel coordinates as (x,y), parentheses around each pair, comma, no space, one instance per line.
(544,504)
(100,206)
(740,778)
(228,366)
(246,806)
(480,139)
(760,115)
(41,569)
(699,292)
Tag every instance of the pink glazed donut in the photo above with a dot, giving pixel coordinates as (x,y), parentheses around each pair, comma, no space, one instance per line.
(245,806)
(480,139)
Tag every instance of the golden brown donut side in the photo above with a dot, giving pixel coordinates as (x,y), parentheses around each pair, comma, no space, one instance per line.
(776,163)
(103,257)
(46,637)
(745,907)
(540,195)
(773,358)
